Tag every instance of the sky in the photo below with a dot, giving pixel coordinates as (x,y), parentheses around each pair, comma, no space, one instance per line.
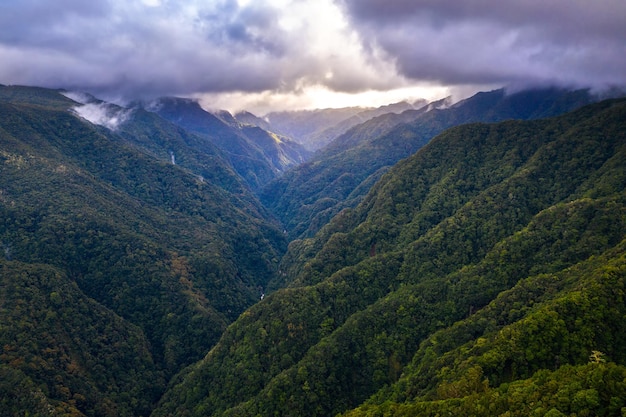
(264,55)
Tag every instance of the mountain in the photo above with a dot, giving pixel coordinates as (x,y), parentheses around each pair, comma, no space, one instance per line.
(247,118)
(316,128)
(303,125)
(483,275)
(128,246)
(339,176)
(256,154)
(319,139)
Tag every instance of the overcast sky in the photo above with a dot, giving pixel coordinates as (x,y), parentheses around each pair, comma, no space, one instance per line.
(262,54)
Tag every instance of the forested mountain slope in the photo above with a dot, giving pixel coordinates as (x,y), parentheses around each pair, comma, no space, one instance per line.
(483,275)
(120,265)
(317,128)
(65,354)
(340,175)
(256,154)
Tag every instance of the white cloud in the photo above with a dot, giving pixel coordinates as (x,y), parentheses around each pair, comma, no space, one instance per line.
(103,114)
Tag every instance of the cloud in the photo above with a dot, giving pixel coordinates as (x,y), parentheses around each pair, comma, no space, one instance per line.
(97,112)
(484,41)
(150,48)
(129,49)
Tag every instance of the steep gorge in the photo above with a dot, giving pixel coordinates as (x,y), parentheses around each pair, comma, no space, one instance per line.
(481,275)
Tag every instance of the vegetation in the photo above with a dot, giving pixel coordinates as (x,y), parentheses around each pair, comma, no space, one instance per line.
(483,275)
(340,175)
(64,354)
(488,266)
(257,155)
(177,250)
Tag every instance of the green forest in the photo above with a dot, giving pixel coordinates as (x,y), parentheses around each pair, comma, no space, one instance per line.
(482,275)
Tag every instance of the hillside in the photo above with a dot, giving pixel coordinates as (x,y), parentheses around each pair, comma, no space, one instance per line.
(121,263)
(256,154)
(483,275)
(63,351)
(340,175)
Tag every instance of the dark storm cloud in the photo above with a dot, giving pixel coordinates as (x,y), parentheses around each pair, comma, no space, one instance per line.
(41,23)
(575,42)
(132,48)
(251,28)
(142,48)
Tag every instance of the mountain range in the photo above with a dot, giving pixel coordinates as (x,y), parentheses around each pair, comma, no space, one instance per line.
(256,154)
(317,128)
(494,253)
(340,175)
(162,260)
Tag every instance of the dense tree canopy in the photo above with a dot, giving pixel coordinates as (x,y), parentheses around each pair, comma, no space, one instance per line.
(483,275)
(493,253)
(177,250)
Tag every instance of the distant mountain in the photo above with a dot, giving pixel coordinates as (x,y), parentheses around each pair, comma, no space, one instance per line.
(326,136)
(304,125)
(225,117)
(483,275)
(247,118)
(380,125)
(127,245)
(316,128)
(305,198)
(257,155)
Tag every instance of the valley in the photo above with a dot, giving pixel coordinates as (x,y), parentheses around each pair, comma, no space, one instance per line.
(420,258)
